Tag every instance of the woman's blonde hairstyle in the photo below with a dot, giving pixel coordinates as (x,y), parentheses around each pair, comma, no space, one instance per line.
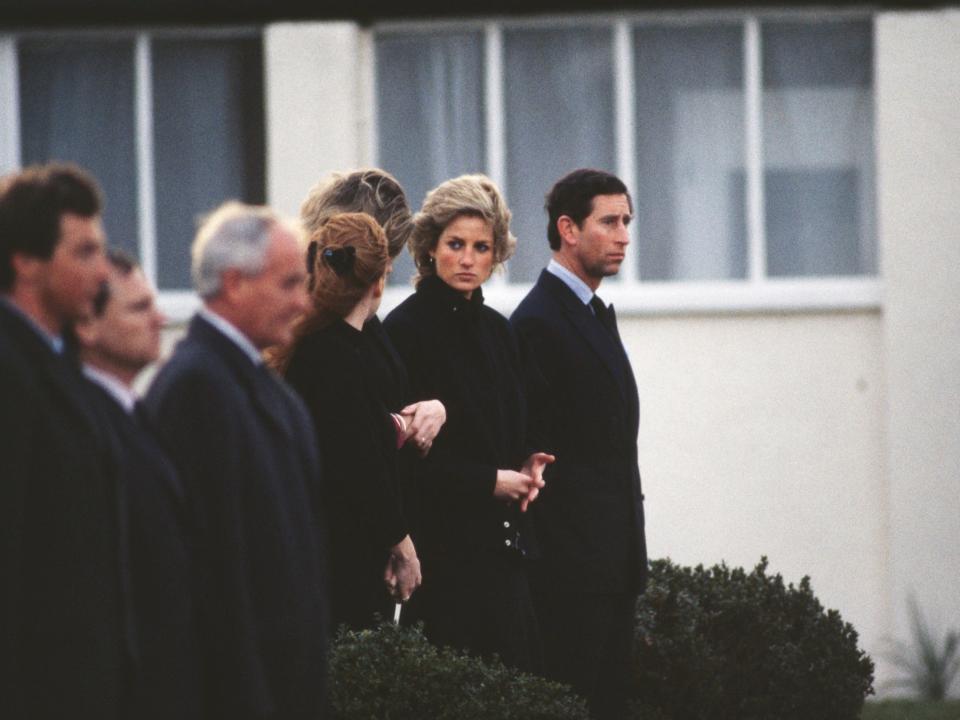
(368,190)
(346,256)
(472,195)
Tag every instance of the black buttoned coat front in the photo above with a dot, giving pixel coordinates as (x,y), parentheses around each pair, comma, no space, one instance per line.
(474,547)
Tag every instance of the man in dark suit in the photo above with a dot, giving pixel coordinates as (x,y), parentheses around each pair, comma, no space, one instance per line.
(244,446)
(116,342)
(66,644)
(590,514)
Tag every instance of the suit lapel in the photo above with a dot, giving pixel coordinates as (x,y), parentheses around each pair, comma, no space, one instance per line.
(607,347)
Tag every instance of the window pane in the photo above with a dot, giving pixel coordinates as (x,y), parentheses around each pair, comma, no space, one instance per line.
(208,123)
(559,116)
(76,103)
(690,197)
(818,148)
(430,117)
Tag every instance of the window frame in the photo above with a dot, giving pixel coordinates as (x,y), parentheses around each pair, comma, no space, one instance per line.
(176,304)
(758,292)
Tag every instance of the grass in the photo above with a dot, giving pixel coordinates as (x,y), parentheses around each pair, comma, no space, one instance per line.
(911,710)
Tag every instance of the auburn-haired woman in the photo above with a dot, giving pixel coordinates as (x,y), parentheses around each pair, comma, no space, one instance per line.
(333,366)
(474,537)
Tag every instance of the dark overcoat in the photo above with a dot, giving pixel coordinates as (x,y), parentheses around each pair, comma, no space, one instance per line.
(590,514)
(338,372)
(167,683)
(244,447)
(474,547)
(65,641)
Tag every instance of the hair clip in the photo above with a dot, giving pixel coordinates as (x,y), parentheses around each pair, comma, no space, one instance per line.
(340,259)
(311,256)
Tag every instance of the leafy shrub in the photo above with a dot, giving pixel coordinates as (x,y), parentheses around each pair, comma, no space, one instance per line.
(393,672)
(718,644)
(930,667)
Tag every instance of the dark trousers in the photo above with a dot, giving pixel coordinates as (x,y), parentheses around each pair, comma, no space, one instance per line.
(587,644)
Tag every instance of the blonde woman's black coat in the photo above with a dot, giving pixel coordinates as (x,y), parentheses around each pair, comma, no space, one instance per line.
(474,548)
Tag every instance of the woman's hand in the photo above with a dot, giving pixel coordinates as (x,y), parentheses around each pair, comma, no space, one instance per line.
(424,420)
(513,485)
(402,574)
(534,467)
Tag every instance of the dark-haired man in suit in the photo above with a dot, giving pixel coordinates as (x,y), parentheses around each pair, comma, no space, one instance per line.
(590,514)
(116,342)
(66,645)
(244,446)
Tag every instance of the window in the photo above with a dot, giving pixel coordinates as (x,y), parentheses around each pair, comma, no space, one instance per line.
(170,124)
(746,140)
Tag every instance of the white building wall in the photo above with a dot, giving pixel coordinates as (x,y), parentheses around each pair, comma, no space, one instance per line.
(918,163)
(763,435)
(828,441)
(314,86)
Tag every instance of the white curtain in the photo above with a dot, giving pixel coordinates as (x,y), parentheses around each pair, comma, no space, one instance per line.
(430,113)
(689,123)
(690,152)
(559,116)
(818,148)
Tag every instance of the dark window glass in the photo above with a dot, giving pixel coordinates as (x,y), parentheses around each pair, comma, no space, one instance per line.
(208,124)
(76,105)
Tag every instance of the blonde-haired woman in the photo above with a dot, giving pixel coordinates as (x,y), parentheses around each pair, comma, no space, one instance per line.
(331,364)
(473,535)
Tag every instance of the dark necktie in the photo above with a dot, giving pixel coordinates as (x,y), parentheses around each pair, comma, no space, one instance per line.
(604,315)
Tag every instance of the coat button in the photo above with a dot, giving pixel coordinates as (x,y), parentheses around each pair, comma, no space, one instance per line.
(506,523)
(507,543)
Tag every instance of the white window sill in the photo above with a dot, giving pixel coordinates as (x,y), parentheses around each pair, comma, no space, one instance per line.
(651,299)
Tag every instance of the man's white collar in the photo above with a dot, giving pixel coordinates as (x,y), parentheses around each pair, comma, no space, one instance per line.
(579,287)
(120,392)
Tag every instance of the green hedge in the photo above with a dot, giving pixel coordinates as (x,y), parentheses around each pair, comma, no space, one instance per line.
(395,673)
(711,644)
(719,644)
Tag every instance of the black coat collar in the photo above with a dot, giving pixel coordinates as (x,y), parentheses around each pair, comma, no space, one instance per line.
(447,300)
